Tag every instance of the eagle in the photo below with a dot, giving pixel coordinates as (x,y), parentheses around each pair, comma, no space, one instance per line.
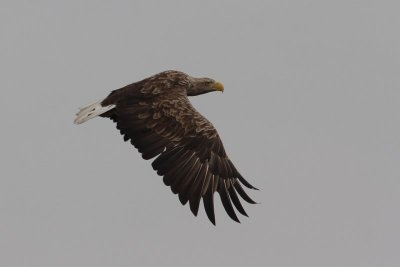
(156,116)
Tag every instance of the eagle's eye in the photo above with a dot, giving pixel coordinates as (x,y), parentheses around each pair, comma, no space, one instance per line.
(209,83)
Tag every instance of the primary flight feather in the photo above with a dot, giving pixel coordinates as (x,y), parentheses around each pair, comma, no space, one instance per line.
(157,117)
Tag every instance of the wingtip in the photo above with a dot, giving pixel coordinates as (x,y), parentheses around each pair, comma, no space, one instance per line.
(245,182)
(194,210)
(213,222)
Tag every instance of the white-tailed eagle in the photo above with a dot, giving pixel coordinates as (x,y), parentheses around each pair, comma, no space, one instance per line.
(156,116)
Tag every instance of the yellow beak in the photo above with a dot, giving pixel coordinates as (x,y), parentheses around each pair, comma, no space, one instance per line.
(217,86)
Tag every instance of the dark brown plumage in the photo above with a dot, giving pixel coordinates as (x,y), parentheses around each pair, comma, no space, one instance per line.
(155,115)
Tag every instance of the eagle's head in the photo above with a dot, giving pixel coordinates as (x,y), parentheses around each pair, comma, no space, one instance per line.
(194,86)
(200,86)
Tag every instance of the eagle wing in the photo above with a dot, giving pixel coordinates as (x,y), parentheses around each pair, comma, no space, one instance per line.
(189,151)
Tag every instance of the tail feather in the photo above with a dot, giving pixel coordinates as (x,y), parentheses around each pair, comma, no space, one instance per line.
(90,111)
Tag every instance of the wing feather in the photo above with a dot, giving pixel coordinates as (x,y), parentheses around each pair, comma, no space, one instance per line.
(195,190)
(208,201)
(242,193)
(235,199)
(185,185)
(175,173)
(226,202)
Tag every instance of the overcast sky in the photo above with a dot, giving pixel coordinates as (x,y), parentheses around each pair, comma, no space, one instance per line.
(310,115)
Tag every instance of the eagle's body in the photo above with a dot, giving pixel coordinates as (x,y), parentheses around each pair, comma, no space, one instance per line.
(156,116)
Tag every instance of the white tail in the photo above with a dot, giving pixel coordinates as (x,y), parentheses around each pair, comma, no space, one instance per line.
(90,111)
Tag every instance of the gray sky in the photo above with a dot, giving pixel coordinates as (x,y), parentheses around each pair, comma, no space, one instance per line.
(310,115)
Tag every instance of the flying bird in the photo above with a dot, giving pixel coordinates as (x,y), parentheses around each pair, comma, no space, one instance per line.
(157,117)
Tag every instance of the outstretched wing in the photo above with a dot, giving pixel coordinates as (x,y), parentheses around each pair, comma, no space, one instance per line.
(190,154)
